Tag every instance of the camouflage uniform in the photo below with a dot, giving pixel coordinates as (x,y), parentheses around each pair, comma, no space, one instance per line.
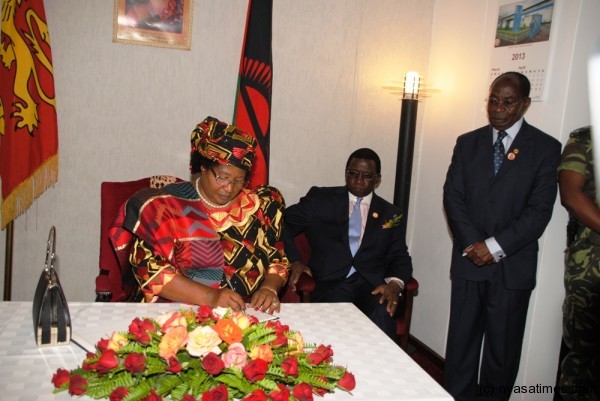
(580,369)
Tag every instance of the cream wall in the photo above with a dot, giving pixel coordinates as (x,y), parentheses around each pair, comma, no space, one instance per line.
(463,32)
(126,112)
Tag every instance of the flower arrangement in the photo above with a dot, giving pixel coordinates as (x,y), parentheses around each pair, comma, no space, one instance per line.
(393,222)
(209,355)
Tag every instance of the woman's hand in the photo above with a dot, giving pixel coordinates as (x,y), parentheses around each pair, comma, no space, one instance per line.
(265,299)
(225,298)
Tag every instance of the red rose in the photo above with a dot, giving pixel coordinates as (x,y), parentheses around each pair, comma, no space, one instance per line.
(255,369)
(108,360)
(216,394)
(303,392)
(213,364)
(118,394)
(89,363)
(135,363)
(204,313)
(280,341)
(322,353)
(78,385)
(102,345)
(141,330)
(290,366)
(321,391)
(62,376)
(188,397)
(281,394)
(153,396)
(256,395)
(174,365)
(347,382)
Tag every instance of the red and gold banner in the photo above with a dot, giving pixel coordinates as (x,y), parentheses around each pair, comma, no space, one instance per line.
(253,101)
(28,126)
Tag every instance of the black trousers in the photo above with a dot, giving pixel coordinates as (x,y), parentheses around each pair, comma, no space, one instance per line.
(484,312)
(357,290)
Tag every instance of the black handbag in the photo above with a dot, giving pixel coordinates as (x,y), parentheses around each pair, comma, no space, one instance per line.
(51,318)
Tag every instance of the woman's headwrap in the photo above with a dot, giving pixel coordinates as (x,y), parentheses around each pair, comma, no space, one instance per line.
(223,143)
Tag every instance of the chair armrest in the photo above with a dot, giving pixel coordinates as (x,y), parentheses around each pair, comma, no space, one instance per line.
(412,285)
(103,292)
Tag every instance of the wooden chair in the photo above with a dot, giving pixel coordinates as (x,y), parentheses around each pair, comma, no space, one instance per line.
(116,285)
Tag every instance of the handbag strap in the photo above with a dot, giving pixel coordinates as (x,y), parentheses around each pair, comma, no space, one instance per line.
(50,251)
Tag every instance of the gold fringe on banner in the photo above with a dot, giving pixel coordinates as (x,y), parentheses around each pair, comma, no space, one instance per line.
(19,200)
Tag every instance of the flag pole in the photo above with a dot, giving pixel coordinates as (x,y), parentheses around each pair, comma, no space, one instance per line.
(8,262)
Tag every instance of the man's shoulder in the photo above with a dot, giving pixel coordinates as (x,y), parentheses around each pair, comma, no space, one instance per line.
(388,206)
(472,135)
(540,135)
(326,191)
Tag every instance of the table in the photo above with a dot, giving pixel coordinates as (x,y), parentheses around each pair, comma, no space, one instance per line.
(383,370)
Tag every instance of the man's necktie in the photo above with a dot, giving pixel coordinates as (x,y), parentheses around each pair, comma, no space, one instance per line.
(498,151)
(354,229)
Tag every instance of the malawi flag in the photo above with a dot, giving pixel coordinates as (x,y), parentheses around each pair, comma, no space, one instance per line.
(28,127)
(253,100)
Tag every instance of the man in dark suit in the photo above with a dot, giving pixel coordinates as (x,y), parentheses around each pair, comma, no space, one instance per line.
(496,219)
(367,266)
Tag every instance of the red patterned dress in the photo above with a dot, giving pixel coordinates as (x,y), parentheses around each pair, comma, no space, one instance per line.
(165,232)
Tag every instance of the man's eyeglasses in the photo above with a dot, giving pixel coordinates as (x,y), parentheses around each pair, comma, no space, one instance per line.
(226,181)
(507,104)
(363,176)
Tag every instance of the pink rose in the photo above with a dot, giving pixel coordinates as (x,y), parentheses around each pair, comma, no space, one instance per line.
(235,356)
(62,376)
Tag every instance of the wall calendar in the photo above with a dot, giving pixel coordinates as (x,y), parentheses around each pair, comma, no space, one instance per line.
(522,42)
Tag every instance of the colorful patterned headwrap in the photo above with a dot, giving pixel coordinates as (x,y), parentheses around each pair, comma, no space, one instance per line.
(223,143)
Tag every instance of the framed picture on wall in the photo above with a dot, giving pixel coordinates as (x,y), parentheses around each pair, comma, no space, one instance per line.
(161,23)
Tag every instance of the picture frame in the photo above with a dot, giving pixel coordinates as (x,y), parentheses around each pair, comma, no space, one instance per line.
(159,23)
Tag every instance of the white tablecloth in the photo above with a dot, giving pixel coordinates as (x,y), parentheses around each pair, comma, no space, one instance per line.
(382,370)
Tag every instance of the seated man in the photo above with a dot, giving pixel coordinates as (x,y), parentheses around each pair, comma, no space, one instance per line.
(358,247)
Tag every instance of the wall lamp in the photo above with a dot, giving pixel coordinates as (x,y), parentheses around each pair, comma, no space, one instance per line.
(406,142)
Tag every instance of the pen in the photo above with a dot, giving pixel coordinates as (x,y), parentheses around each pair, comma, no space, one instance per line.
(229,283)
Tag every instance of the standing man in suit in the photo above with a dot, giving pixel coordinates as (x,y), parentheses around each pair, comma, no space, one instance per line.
(358,247)
(496,219)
